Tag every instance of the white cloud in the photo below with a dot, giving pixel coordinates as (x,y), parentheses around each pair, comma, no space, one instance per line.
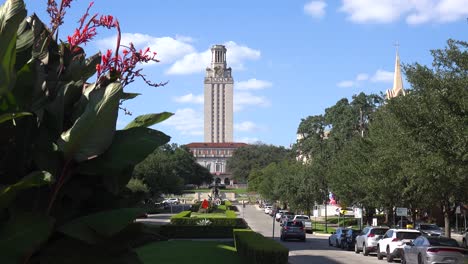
(382,76)
(248,140)
(414,11)
(198,61)
(243,99)
(362,77)
(187,121)
(168,49)
(346,84)
(315,8)
(246,126)
(253,84)
(190,98)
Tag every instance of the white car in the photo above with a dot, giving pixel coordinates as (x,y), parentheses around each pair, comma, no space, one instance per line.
(279,214)
(392,243)
(367,240)
(171,201)
(268,209)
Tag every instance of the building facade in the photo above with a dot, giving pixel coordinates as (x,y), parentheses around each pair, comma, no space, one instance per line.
(214,157)
(218,145)
(219,97)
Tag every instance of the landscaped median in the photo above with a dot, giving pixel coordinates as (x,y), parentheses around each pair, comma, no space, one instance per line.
(254,248)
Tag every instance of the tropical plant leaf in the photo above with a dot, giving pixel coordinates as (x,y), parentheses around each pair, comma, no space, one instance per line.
(105,224)
(148,120)
(93,131)
(12,13)
(130,147)
(34,179)
(22,234)
(11,116)
(128,96)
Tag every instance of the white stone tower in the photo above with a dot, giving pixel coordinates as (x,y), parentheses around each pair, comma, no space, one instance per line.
(219,87)
(397,80)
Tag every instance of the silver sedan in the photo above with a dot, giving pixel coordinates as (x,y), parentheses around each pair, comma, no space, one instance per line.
(432,250)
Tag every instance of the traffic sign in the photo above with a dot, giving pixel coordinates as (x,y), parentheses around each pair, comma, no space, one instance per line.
(401,211)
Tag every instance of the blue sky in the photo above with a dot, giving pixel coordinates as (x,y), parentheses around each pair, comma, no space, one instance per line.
(290,59)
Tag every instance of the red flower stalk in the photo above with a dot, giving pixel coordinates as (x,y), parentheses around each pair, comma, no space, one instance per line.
(57,14)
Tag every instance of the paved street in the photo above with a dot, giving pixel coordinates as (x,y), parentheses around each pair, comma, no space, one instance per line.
(314,250)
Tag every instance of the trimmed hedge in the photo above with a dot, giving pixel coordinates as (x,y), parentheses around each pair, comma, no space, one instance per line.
(181,215)
(232,222)
(231,214)
(256,249)
(185,231)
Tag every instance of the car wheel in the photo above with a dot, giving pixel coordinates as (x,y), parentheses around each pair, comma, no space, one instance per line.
(329,243)
(403,258)
(464,243)
(303,239)
(336,245)
(365,252)
(356,249)
(379,254)
(420,259)
(389,255)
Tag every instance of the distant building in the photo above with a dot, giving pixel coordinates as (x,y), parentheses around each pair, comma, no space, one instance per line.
(397,81)
(218,118)
(214,157)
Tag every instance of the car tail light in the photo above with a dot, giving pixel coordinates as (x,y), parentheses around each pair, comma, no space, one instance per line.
(371,235)
(302,228)
(436,250)
(395,239)
(286,228)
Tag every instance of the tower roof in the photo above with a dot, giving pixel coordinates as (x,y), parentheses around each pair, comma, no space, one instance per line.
(397,80)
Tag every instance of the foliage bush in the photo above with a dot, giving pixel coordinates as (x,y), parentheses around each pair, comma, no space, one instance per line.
(231,214)
(189,231)
(183,214)
(64,166)
(255,248)
(183,218)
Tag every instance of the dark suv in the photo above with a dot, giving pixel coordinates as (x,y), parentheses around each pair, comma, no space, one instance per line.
(350,239)
(293,229)
(337,237)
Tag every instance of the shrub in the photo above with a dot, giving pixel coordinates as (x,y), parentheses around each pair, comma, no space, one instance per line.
(255,248)
(227,203)
(182,214)
(185,231)
(232,222)
(222,207)
(230,214)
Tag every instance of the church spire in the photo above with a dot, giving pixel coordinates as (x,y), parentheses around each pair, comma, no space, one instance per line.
(397,79)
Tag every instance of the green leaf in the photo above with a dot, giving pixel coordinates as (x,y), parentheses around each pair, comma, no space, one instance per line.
(34,179)
(130,147)
(106,224)
(93,131)
(90,66)
(22,235)
(12,14)
(128,96)
(12,116)
(148,120)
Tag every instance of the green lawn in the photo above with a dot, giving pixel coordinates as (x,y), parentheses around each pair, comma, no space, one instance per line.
(193,252)
(320,228)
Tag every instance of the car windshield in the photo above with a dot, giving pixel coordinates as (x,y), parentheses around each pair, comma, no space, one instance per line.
(302,217)
(407,235)
(295,224)
(429,227)
(444,242)
(378,231)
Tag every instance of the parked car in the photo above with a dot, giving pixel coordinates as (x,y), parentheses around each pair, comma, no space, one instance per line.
(350,239)
(268,209)
(306,221)
(392,243)
(293,229)
(432,250)
(171,201)
(465,239)
(367,240)
(286,218)
(337,237)
(429,229)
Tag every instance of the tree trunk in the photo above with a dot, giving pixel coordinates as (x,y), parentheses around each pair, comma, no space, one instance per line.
(446,210)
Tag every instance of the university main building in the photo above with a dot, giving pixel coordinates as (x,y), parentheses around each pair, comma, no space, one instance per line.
(218,145)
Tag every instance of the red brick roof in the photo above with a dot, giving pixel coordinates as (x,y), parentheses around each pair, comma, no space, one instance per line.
(216,145)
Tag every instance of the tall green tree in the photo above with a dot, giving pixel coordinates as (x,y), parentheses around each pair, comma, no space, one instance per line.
(258,156)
